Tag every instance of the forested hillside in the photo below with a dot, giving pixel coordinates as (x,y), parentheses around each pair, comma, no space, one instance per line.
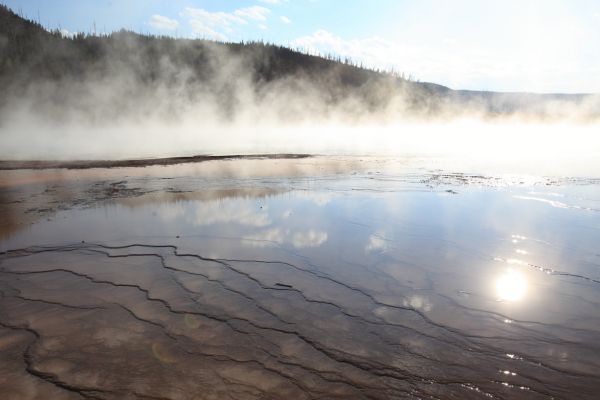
(95,74)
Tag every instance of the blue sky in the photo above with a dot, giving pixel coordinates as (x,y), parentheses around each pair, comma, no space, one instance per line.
(509,45)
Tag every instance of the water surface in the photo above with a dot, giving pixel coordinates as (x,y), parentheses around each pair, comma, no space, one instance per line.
(299,279)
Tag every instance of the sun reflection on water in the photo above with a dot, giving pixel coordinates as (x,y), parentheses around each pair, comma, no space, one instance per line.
(511,286)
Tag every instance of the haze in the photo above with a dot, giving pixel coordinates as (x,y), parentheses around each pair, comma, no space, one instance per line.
(140,98)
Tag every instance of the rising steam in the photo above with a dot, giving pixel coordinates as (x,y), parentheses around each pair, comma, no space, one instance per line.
(157,97)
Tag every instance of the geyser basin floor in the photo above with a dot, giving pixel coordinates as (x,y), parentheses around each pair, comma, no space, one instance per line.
(298,279)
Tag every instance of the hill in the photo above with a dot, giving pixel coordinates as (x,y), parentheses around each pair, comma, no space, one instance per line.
(125,74)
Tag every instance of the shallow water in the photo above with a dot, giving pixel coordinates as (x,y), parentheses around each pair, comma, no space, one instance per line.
(320,278)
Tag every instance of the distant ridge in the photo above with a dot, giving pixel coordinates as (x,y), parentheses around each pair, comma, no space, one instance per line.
(31,55)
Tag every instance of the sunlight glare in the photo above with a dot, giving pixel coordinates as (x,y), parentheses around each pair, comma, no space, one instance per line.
(511,286)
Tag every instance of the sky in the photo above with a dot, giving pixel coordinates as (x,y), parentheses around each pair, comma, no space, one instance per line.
(507,45)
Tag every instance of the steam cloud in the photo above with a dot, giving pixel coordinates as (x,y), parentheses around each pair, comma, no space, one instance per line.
(157,97)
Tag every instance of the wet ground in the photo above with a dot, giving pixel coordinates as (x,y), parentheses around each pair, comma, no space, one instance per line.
(312,278)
